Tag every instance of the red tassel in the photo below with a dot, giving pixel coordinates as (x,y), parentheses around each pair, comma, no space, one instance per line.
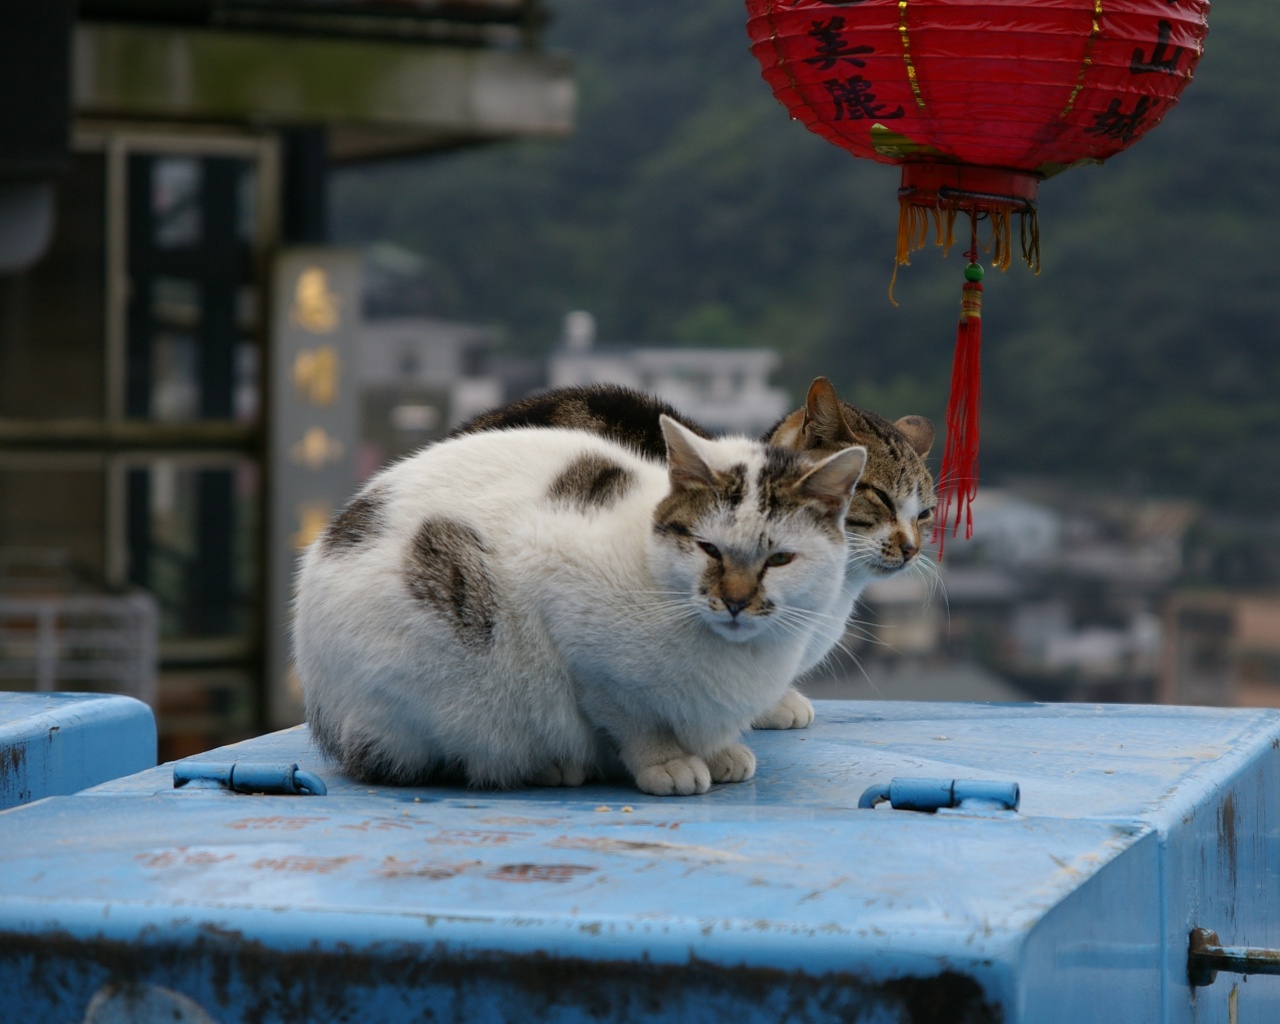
(958,477)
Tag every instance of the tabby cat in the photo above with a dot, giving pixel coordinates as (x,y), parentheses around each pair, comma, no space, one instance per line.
(888,519)
(545,605)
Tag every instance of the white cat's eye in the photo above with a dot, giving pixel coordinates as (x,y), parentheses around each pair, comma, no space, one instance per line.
(710,549)
(779,558)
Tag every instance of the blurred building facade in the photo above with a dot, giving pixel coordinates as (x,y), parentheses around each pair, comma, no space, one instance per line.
(1072,598)
(1222,649)
(420,376)
(166,159)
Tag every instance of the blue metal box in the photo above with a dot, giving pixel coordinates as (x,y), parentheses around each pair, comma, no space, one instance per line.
(778,899)
(52,744)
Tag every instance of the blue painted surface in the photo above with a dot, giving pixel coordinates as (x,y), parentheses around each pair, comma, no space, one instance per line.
(52,744)
(769,900)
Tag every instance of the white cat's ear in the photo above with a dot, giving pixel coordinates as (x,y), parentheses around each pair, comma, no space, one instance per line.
(684,463)
(831,481)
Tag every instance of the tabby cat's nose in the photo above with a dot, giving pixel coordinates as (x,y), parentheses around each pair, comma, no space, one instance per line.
(735,605)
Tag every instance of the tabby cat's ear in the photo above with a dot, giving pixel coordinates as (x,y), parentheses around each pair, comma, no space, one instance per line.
(831,482)
(919,433)
(819,424)
(686,467)
(824,422)
(790,432)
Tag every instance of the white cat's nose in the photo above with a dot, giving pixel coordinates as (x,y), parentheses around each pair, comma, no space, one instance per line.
(735,605)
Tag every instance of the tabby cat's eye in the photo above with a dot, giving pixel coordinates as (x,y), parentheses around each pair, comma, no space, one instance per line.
(710,549)
(926,514)
(779,558)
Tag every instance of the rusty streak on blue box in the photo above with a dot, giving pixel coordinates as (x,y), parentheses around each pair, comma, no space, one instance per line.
(52,744)
(774,900)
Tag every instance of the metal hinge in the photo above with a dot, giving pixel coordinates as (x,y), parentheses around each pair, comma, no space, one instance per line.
(936,794)
(1207,956)
(248,777)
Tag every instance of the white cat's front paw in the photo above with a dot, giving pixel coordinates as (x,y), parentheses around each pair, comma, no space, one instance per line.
(792,712)
(681,776)
(559,774)
(735,763)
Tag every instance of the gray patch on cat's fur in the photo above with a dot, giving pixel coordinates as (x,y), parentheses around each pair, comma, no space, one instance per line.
(776,493)
(732,484)
(621,414)
(447,570)
(591,482)
(776,479)
(680,511)
(361,520)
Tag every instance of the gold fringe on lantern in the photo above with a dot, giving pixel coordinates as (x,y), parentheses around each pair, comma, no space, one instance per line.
(913,229)
(1031,241)
(913,232)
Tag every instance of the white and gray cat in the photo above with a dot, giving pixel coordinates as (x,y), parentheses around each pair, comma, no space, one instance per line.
(538,605)
(888,518)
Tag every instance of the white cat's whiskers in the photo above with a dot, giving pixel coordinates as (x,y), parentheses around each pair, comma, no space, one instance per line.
(854,629)
(865,631)
(889,646)
(667,612)
(841,647)
(810,613)
(861,552)
(870,682)
(793,621)
(806,616)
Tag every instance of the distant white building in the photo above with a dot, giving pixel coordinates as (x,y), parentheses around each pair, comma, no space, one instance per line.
(409,352)
(725,389)
(419,378)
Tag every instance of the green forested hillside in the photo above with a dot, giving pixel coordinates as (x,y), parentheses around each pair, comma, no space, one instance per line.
(689,208)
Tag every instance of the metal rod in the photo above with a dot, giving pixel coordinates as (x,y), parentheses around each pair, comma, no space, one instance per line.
(1207,956)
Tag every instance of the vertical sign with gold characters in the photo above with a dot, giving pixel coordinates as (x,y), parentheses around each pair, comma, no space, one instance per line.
(313,424)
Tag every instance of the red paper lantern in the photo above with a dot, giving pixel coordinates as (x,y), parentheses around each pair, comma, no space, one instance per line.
(978,101)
